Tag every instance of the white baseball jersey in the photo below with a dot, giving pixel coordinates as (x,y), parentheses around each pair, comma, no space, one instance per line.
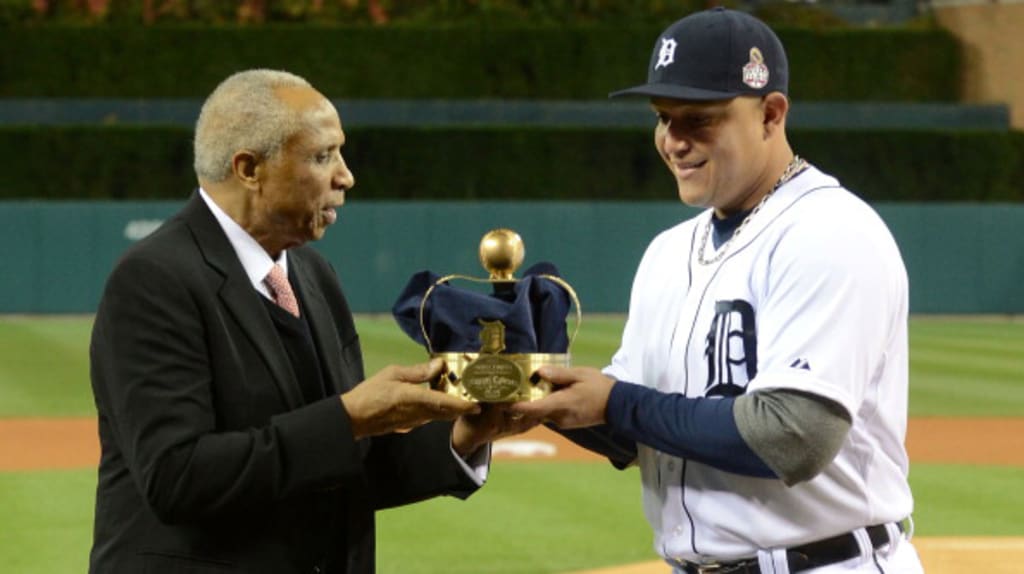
(810,296)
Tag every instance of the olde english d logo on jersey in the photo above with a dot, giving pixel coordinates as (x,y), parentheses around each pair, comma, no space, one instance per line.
(755,73)
(731,349)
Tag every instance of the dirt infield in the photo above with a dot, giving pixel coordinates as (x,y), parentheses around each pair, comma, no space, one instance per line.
(39,444)
(987,441)
(45,444)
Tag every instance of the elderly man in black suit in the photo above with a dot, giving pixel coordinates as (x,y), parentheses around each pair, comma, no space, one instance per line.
(238,433)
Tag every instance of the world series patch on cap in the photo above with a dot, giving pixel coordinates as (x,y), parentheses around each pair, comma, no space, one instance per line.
(492,344)
(716,54)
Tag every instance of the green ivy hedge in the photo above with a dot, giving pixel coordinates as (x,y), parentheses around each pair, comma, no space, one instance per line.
(554,164)
(458,61)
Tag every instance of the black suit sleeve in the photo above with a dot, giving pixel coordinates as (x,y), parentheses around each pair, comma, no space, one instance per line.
(409,467)
(601,439)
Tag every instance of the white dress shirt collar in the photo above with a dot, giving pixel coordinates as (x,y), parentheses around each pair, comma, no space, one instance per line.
(255,260)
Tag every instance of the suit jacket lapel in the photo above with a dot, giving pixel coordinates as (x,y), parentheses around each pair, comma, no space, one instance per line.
(239,297)
(321,323)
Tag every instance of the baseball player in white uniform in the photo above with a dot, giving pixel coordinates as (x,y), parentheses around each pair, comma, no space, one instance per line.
(761,384)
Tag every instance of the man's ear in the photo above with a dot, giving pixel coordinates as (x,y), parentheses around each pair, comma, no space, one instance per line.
(776,107)
(245,168)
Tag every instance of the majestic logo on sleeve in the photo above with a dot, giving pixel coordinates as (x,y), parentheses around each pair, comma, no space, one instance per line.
(667,54)
(731,349)
(800,363)
(755,73)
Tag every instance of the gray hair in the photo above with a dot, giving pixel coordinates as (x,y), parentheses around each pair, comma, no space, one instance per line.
(244,112)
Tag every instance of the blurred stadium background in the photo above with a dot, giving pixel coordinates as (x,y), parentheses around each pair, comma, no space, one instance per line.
(468,115)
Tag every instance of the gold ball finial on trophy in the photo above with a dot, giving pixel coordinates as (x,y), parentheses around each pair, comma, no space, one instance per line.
(501,253)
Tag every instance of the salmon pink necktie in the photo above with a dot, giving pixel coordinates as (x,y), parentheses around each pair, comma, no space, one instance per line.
(281,290)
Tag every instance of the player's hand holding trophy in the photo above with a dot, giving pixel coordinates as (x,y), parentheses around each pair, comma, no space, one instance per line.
(492,343)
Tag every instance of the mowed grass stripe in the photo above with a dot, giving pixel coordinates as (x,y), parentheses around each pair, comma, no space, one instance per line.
(984,362)
(967,335)
(383,343)
(956,398)
(964,367)
(961,500)
(978,345)
(44,367)
(46,521)
(532,517)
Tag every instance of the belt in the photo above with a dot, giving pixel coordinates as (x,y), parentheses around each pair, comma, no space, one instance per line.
(800,558)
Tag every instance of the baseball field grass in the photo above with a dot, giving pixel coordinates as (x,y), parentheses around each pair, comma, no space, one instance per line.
(533,516)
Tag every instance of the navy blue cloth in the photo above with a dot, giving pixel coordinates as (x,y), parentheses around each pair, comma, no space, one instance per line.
(699,429)
(724,228)
(616,447)
(533,310)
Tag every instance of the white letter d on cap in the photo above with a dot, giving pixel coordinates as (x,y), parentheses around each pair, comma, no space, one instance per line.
(667,54)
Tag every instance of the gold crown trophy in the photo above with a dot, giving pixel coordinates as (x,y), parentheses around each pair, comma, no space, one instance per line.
(491,375)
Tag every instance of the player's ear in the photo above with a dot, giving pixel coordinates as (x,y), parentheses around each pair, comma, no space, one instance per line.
(776,106)
(244,167)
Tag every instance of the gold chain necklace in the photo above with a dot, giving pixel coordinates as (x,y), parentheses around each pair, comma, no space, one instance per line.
(795,166)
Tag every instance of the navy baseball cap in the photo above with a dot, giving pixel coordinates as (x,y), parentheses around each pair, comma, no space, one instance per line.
(716,54)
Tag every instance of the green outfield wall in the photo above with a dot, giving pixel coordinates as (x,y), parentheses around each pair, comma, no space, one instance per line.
(962,258)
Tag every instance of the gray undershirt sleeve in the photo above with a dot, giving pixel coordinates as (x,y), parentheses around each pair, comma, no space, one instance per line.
(797,434)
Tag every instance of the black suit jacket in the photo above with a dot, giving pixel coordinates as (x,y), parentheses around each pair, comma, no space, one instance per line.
(210,460)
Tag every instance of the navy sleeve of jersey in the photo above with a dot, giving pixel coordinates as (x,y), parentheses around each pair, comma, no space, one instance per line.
(616,447)
(700,429)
